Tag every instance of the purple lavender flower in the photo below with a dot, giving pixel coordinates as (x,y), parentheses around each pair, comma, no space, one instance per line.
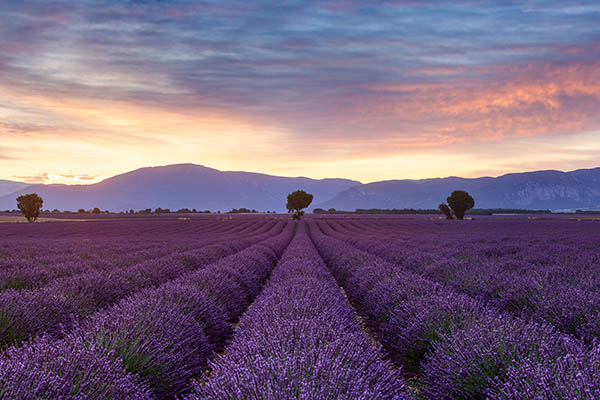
(300,339)
(67,370)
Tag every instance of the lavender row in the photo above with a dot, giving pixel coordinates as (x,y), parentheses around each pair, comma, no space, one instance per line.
(300,340)
(559,259)
(40,263)
(561,287)
(94,241)
(113,228)
(149,345)
(54,308)
(456,346)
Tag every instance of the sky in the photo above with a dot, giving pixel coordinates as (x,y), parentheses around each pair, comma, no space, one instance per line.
(367,90)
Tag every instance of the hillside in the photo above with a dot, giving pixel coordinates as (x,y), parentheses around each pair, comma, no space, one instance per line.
(182,185)
(7,187)
(195,186)
(554,190)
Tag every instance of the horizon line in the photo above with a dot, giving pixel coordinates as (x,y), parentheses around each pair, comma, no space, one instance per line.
(298,176)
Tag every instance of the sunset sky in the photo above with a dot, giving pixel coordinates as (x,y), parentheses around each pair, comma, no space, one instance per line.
(401,89)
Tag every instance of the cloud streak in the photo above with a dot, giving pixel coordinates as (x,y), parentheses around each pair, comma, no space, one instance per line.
(59,178)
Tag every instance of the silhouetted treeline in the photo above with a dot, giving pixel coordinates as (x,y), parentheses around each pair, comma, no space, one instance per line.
(490,211)
(377,211)
(168,211)
(242,210)
(475,211)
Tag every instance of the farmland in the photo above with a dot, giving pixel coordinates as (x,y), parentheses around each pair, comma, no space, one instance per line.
(329,307)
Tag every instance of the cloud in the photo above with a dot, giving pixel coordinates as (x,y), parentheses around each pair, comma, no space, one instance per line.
(308,80)
(68,178)
(526,100)
(21,128)
(41,178)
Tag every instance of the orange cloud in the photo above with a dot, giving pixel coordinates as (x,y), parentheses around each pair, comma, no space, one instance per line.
(68,178)
(515,101)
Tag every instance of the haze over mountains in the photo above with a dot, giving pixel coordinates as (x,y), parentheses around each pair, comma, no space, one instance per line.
(196,186)
(7,187)
(540,190)
(181,185)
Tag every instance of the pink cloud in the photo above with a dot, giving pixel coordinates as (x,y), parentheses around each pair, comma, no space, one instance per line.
(526,100)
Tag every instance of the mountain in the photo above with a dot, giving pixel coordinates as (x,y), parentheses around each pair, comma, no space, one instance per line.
(554,190)
(7,187)
(179,186)
(196,186)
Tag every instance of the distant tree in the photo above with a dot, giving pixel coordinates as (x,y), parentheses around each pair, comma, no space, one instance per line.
(460,201)
(81,211)
(319,211)
(298,200)
(331,210)
(184,211)
(96,210)
(242,210)
(446,210)
(30,205)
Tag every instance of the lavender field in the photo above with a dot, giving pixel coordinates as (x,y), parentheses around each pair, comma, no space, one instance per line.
(263,307)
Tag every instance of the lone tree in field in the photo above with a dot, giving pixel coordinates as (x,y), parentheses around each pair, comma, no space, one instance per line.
(460,201)
(298,200)
(446,211)
(30,205)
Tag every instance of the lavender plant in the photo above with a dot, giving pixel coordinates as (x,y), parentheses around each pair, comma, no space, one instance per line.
(300,340)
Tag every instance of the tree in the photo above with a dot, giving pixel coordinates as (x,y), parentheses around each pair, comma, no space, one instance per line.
(446,211)
(298,200)
(96,210)
(30,205)
(460,201)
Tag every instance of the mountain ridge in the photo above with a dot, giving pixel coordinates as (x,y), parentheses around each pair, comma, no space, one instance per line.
(196,186)
(181,186)
(7,187)
(545,189)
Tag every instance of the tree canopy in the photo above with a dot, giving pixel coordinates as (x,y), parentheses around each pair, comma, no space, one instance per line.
(298,200)
(446,211)
(30,205)
(460,201)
